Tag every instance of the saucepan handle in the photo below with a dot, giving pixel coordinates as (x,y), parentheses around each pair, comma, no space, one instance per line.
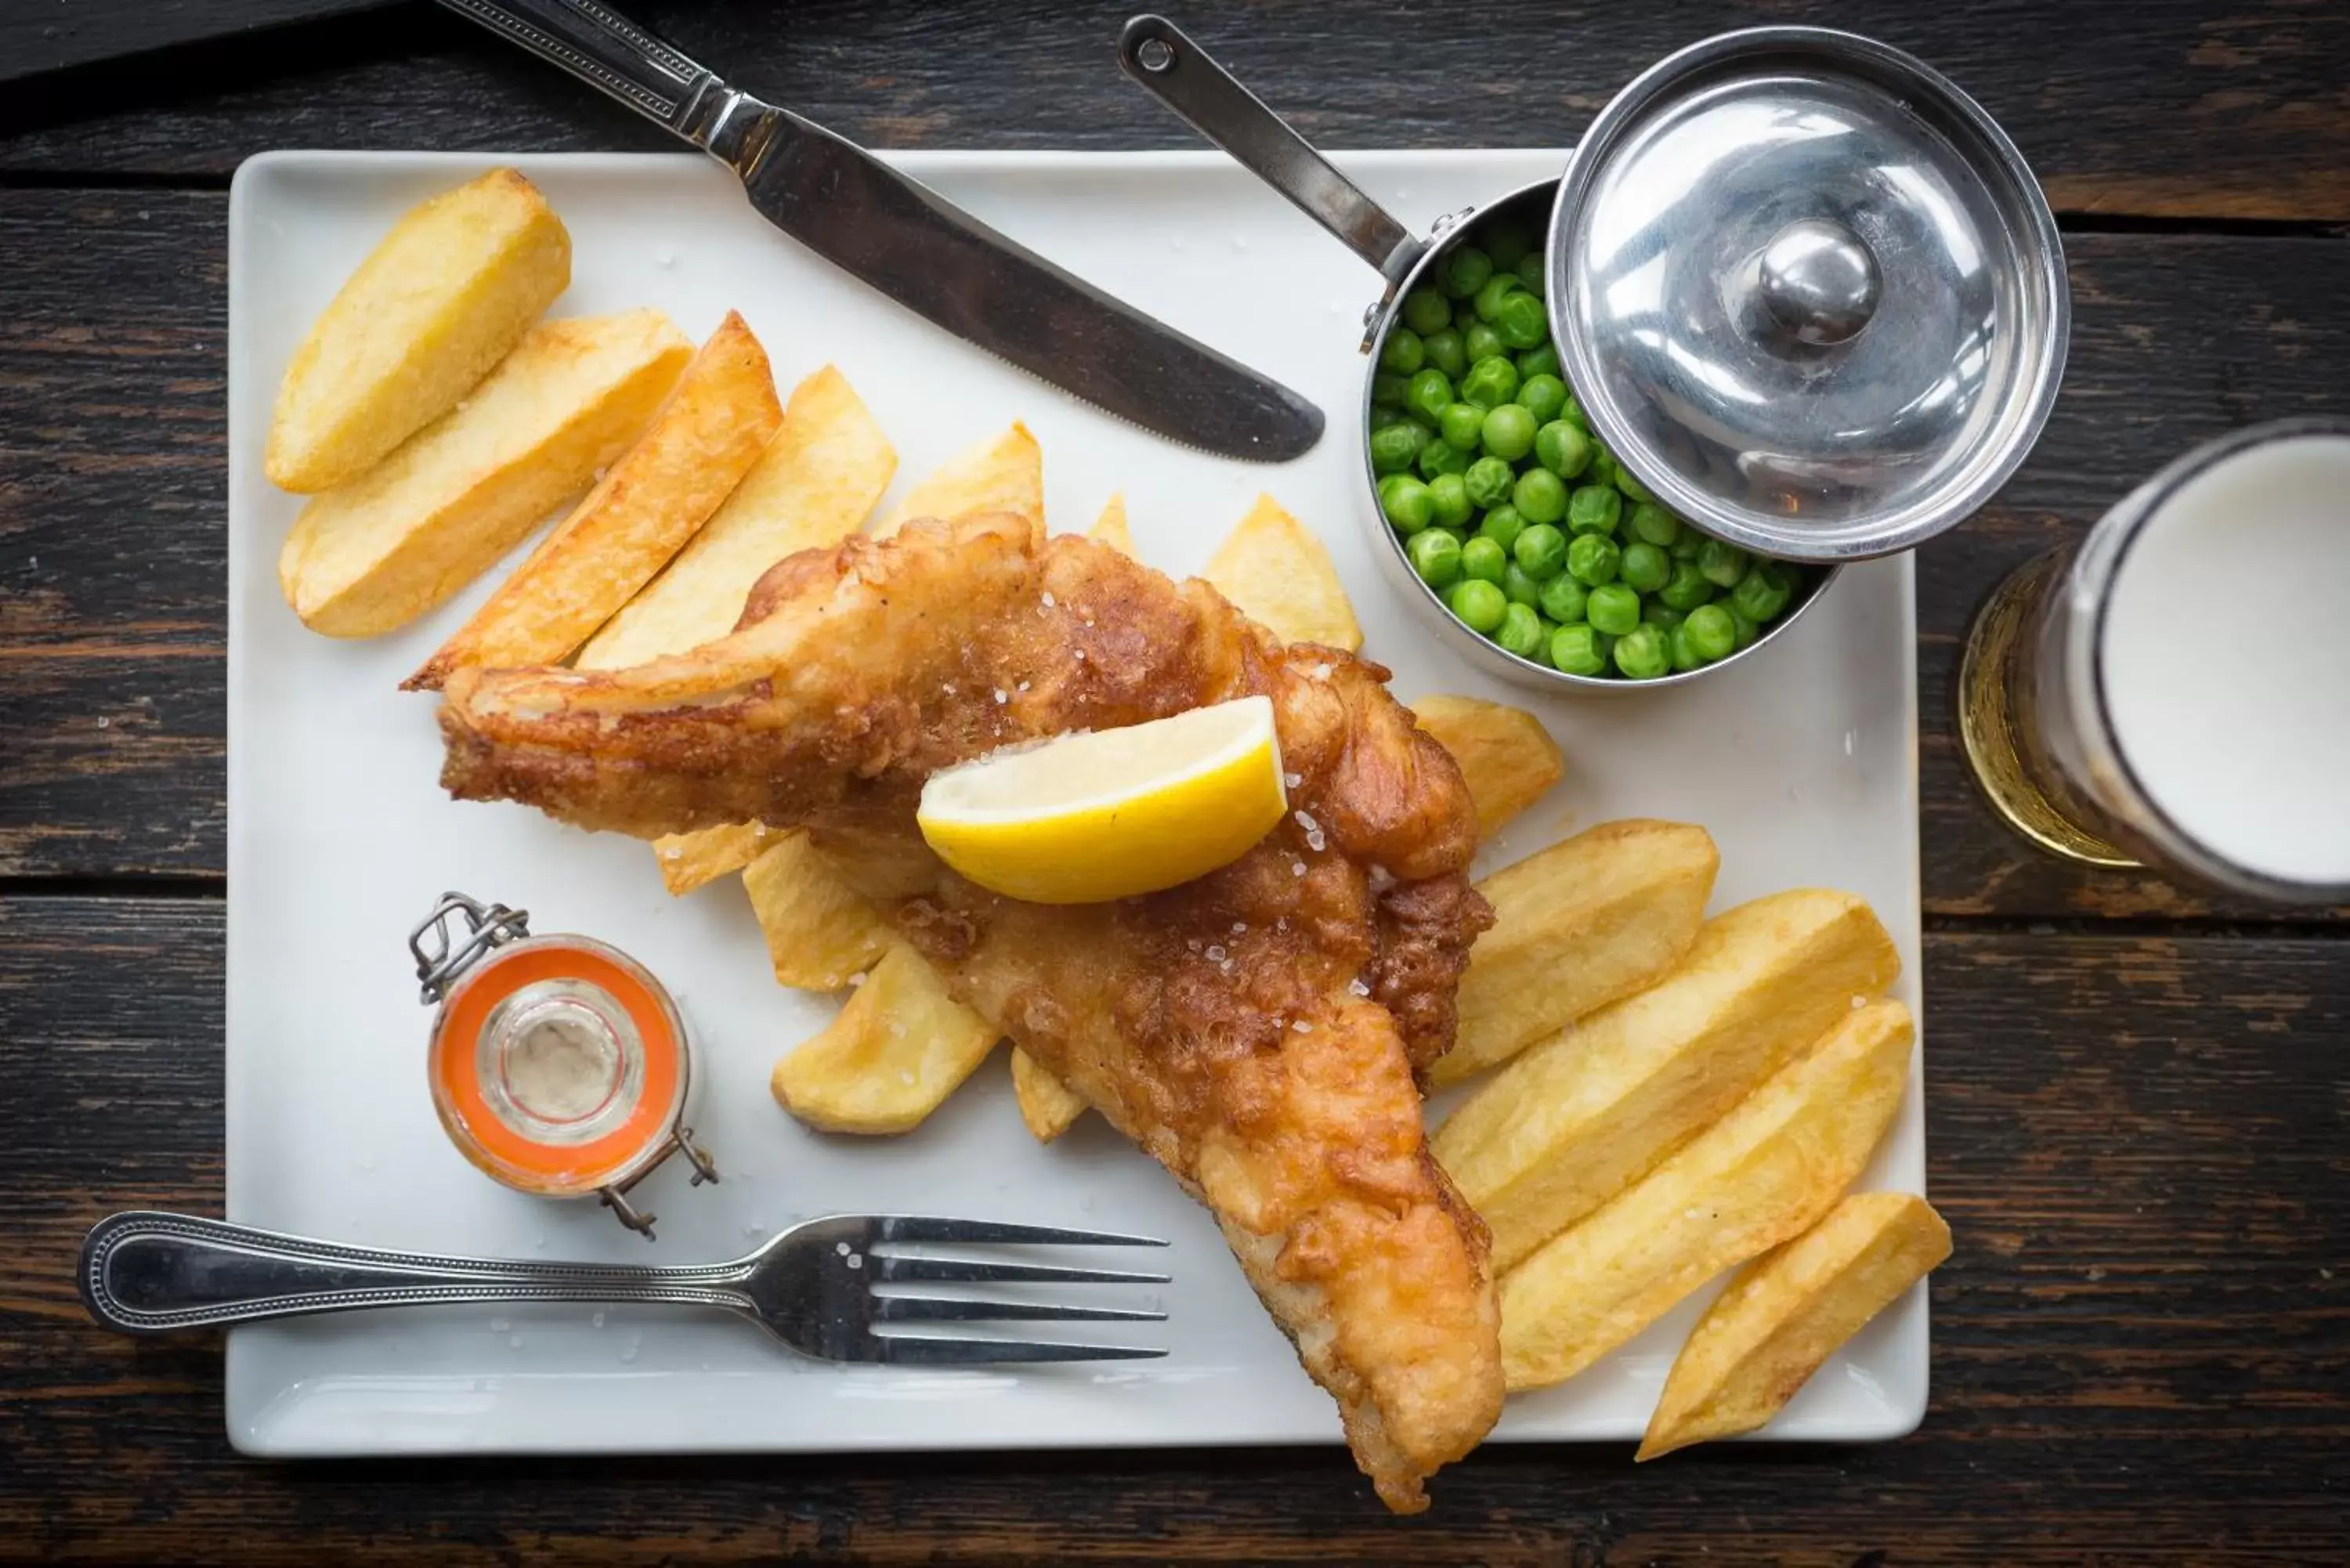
(1183,76)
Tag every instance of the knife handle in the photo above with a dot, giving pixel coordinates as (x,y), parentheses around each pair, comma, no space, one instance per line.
(1180,74)
(606,50)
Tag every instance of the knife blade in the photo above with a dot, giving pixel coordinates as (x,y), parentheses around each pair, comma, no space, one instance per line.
(920,250)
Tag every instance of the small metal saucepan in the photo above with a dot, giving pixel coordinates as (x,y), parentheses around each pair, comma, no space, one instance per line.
(1186,79)
(1806,290)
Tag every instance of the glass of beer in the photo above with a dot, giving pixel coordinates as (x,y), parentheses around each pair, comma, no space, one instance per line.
(2174,691)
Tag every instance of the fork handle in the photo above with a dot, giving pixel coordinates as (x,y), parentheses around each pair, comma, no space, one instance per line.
(148,1273)
(607,51)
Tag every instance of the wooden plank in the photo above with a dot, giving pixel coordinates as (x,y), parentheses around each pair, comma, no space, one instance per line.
(2175,108)
(112,535)
(2142,1344)
(42,36)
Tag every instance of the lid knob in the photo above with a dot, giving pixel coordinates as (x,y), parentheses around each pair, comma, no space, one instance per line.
(1820,282)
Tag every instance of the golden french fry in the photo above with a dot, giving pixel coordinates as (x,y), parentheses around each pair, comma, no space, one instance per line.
(641,513)
(814,484)
(436,304)
(1765,1172)
(819,933)
(1111,528)
(1577,1118)
(1587,921)
(1047,1104)
(403,536)
(1278,573)
(1506,757)
(1002,473)
(899,1048)
(1788,1311)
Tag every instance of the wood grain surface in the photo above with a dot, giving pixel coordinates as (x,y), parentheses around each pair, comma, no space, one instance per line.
(2141,1342)
(2139,1097)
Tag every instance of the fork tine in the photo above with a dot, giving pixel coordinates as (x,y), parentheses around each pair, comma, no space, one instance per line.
(888,1266)
(922,1350)
(930,1228)
(916,1309)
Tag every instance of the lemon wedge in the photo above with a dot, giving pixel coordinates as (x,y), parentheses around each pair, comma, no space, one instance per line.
(1109,813)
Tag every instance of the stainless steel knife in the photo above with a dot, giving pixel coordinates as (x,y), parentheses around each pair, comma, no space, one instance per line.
(920,249)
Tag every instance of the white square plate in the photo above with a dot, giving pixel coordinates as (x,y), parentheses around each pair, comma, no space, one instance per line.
(1803,763)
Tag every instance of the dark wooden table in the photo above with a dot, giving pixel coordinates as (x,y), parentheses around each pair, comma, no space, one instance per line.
(2138,1097)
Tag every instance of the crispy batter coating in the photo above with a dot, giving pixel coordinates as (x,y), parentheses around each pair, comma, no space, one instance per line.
(1258,1031)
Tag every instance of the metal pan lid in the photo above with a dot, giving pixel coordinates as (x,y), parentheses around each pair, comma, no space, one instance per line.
(1808,292)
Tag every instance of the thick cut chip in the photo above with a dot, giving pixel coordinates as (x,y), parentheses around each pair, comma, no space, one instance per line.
(1276,572)
(820,934)
(1111,528)
(1787,1312)
(1507,758)
(1047,1104)
(1003,474)
(813,486)
(1765,1172)
(436,304)
(1591,919)
(641,513)
(899,1048)
(403,537)
(1571,1123)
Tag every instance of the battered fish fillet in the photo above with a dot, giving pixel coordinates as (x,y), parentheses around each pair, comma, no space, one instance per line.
(1257,1031)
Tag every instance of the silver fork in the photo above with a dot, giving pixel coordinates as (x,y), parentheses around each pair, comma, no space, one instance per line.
(813,1286)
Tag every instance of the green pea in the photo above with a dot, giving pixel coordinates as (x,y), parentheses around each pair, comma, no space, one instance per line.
(1576,649)
(1478,603)
(1425,311)
(1764,591)
(1386,483)
(1464,315)
(1520,587)
(1403,353)
(1594,509)
(1428,396)
(1521,631)
(1489,479)
(1497,289)
(1506,242)
(1395,448)
(1684,649)
(1539,496)
(1654,524)
(1480,341)
(1606,647)
(1502,525)
(1451,499)
(1543,396)
(1629,484)
(1435,555)
(1407,506)
(1686,546)
(1541,550)
(1613,608)
(1564,599)
(1534,271)
(1603,463)
(1461,426)
(1388,388)
(1466,271)
(1442,457)
(1711,632)
(1444,350)
(1646,566)
(1643,653)
(1491,382)
(1594,559)
(1572,414)
(1562,449)
(1522,321)
(1385,414)
(1509,432)
(1687,588)
(1722,563)
(1482,559)
(1663,615)
(1542,359)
